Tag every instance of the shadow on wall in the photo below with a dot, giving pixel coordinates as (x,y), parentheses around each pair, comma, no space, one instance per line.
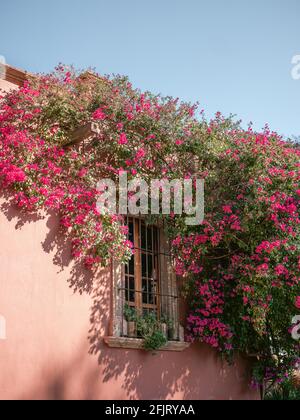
(123,374)
(198,373)
(144,378)
(80,280)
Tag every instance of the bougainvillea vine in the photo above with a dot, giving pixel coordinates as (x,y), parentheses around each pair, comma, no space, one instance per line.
(241,267)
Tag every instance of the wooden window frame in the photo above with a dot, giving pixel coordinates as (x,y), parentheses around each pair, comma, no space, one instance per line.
(152,291)
(168,287)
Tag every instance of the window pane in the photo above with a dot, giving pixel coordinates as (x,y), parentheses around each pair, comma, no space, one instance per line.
(150,266)
(145,291)
(149,239)
(155,240)
(131,292)
(131,266)
(143,236)
(131,232)
(152,290)
(144,265)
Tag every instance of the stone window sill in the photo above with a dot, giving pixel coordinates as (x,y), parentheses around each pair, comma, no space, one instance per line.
(138,344)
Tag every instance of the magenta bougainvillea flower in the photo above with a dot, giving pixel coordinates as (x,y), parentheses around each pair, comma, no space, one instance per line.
(123,139)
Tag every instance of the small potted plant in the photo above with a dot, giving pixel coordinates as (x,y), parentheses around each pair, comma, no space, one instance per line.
(131,318)
(149,329)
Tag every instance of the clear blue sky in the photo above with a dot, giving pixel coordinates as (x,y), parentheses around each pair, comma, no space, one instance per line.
(233,56)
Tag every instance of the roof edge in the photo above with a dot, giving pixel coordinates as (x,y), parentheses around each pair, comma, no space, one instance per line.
(18,77)
(15,76)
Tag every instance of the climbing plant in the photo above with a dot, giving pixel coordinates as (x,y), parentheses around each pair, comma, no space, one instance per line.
(241,266)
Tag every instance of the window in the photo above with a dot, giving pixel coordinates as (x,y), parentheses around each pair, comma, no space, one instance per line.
(148,284)
(142,273)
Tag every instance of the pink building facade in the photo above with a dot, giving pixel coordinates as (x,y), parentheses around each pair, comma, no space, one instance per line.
(55,321)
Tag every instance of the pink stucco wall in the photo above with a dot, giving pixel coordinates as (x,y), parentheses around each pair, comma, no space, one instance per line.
(56,317)
(46,352)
